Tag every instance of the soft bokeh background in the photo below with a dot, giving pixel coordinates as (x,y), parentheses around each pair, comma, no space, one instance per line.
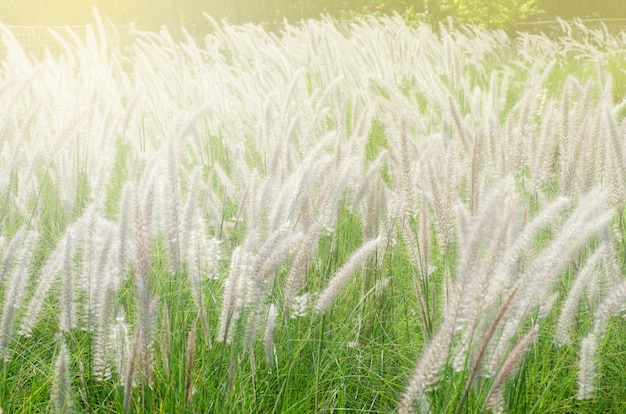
(154,13)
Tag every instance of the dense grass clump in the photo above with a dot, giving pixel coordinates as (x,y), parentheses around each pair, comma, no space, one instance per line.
(361,216)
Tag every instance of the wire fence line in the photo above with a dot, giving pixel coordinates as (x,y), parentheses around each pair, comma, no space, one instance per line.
(39,40)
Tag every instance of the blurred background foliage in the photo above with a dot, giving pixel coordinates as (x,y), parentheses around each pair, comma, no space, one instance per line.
(154,13)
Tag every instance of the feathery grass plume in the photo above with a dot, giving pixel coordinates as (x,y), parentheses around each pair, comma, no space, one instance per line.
(479,254)
(464,132)
(575,175)
(332,192)
(61,386)
(343,275)
(190,355)
(587,372)
(477,358)
(427,370)
(103,34)
(203,256)
(193,239)
(104,274)
(101,342)
(403,154)
(542,275)
(15,55)
(55,263)
(418,254)
(564,146)
(543,146)
(374,210)
(142,243)
(228,187)
(119,348)
(585,149)
(274,251)
(442,208)
(88,257)
(146,311)
(523,243)
(615,153)
(67,315)
(145,346)
(129,379)
(612,305)
(15,289)
(371,176)
(246,212)
(596,157)
(190,216)
(234,292)
(569,309)
(71,43)
(285,207)
(137,100)
(591,217)
(3,247)
(475,165)
(475,243)
(611,267)
(212,207)
(299,266)
(125,226)
(91,43)
(490,254)
(165,343)
(294,204)
(271,255)
(496,394)
(270,330)
(173,207)
(10,252)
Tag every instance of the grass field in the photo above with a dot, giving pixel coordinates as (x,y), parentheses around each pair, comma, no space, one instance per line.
(349,217)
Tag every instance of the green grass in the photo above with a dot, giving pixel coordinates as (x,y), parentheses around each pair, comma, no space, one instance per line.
(359,355)
(354,358)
